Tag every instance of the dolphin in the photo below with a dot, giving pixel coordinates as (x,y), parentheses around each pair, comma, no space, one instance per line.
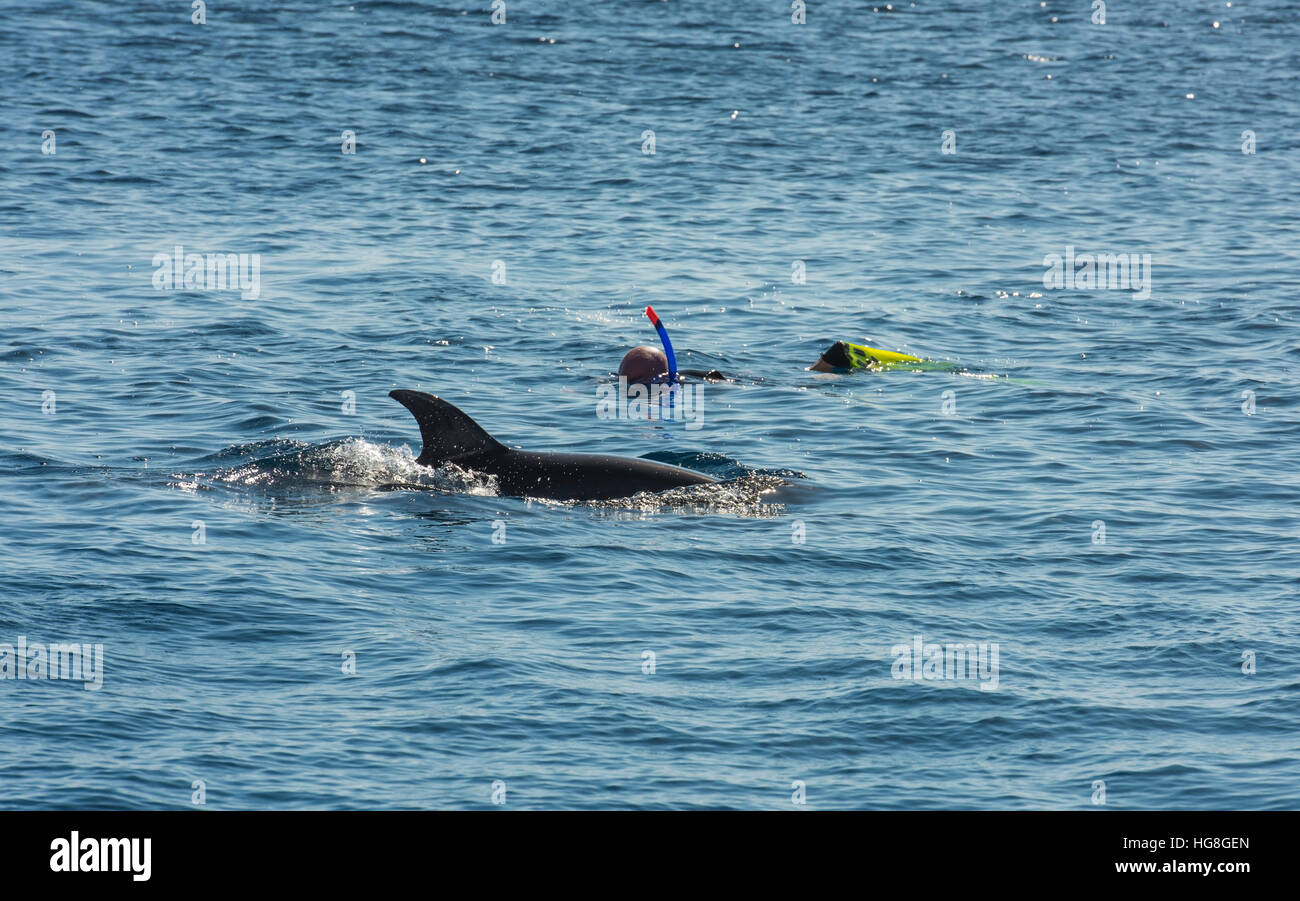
(450,436)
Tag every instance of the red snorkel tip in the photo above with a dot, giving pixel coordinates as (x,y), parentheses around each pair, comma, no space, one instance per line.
(654,320)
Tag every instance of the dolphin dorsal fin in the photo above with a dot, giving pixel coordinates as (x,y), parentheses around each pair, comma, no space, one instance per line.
(447,433)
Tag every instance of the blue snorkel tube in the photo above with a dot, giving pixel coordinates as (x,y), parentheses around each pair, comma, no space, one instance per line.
(668,345)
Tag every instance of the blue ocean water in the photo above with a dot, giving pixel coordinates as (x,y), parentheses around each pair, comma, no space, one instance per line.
(1115,510)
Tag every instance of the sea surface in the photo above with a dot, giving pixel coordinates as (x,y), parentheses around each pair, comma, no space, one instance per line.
(212,483)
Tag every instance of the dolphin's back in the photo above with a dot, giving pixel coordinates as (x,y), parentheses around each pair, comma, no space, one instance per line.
(585,476)
(452,437)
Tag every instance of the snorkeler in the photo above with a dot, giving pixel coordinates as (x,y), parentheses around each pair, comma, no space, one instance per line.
(649,365)
(843,355)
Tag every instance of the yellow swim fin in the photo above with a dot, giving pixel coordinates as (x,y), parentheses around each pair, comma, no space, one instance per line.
(863,357)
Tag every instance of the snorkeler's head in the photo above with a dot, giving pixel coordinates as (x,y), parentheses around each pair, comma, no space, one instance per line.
(643,365)
(835,357)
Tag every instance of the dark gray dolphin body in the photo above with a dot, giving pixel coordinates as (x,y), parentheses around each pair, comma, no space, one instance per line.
(452,437)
